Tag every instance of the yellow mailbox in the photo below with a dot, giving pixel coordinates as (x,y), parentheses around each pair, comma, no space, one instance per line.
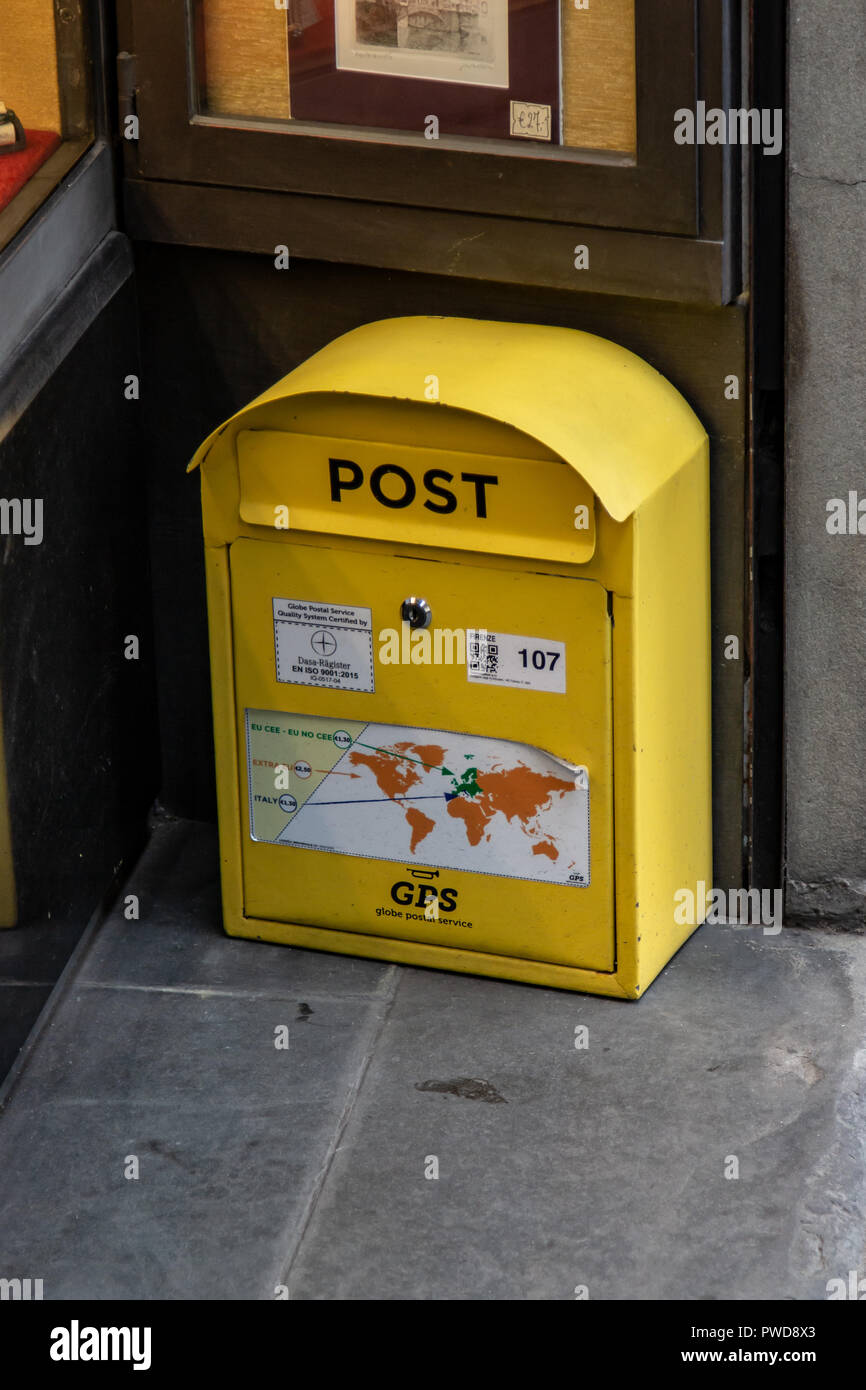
(458,595)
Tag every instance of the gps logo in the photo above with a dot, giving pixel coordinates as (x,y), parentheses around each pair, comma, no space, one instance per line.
(404,893)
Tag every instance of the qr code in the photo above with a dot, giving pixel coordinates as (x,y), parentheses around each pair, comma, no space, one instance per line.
(484,654)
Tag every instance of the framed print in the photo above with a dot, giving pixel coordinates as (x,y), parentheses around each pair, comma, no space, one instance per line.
(445,41)
(486,68)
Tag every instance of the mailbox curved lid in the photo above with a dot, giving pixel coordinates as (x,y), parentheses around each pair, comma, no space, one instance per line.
(610,415)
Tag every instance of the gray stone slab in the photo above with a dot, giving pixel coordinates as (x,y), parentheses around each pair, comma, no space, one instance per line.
(826,573)
(826,419)
(231,1136)
(827,88)
(210,1217)
(605,1167)
(178,940)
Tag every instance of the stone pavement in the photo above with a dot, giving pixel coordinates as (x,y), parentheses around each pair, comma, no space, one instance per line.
(313,1168)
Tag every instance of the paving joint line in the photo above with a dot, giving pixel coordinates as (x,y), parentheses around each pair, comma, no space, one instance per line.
(320,1181)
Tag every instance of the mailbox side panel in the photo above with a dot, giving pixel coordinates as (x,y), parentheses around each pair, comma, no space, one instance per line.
(627,892)
(672,719)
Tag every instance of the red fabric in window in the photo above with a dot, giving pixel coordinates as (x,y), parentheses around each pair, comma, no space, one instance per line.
(16,169)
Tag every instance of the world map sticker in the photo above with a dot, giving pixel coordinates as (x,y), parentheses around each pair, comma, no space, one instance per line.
(425,796)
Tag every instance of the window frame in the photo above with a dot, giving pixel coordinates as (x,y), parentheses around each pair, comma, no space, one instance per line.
(664,220)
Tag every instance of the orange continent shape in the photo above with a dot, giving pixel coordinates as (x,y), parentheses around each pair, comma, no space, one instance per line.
(420,826)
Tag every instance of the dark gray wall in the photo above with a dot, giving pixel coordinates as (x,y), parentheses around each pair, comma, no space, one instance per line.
(826,427)
(78,719)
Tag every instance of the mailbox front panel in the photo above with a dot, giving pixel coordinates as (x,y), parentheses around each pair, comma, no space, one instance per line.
(450,785)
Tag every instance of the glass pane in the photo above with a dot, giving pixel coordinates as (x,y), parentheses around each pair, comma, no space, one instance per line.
(45,119)
(540,73)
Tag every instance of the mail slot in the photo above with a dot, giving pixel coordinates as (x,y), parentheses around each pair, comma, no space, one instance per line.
(458,599)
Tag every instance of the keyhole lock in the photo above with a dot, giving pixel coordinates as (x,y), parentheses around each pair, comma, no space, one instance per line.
(416,612)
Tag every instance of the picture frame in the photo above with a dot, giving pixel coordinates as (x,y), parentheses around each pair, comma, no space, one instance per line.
(442,40)
(481,68)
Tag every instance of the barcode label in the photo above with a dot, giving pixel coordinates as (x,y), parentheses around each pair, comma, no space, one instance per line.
(482,651)
(501,658)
